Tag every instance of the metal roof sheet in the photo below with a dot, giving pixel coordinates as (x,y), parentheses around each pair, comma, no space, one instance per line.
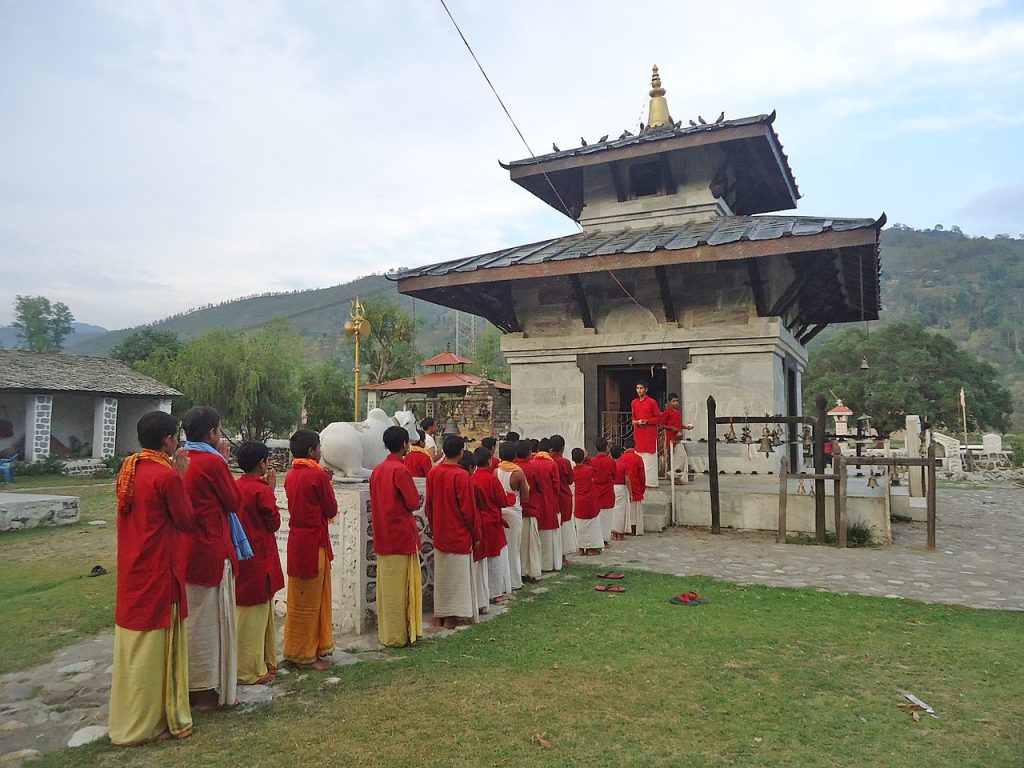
(713,232)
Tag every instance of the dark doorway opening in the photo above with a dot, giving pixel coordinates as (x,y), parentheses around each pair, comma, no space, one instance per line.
(617,390)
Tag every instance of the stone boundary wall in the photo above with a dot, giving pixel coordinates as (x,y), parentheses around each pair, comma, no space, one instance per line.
(22,510)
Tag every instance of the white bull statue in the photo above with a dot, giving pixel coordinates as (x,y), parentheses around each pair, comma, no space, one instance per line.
(355,448)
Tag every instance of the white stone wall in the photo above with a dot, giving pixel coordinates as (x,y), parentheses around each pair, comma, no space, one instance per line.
(38,415)
(104,427)
(547,398)
(129,411)
(18,510)
(72,419)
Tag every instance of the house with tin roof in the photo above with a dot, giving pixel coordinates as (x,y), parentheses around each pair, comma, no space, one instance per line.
(73,406)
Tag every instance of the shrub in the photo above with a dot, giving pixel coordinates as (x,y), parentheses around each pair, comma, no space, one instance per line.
(51,465)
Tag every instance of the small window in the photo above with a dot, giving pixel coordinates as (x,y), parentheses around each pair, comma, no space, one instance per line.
(645,179)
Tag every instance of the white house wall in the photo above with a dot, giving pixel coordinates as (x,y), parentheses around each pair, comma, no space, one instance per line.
(72,418)
(12,409)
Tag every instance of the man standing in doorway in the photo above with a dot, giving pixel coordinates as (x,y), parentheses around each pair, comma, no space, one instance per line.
(646,418)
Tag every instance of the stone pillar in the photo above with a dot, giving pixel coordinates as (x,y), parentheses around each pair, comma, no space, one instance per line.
(37,427)
(164,405)
(104,427)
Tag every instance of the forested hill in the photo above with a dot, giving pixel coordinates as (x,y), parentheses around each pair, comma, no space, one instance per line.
(969,288)
(318,315)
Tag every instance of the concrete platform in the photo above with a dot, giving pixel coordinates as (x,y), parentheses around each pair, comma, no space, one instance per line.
(29,510)
(751,502)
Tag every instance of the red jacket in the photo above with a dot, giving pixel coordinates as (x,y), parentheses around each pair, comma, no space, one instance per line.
(532,506)
(311,504)
(213,493)
(259,577)
(604,479)
(451,509)
(586,504)
(393,500)
(418,462)
(645,436)
(672,418)
(548,518)
(152,550)
(565,478)
(633,467)
(491,497)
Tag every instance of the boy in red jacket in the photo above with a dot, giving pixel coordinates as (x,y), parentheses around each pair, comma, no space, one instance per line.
(212,564)
(588,523)
(260,577)
(149,690)
(308,627)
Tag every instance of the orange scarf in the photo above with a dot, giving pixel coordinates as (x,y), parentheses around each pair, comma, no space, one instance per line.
(543,455)
(126,477)
(307,463)
(417,448)
(508,466)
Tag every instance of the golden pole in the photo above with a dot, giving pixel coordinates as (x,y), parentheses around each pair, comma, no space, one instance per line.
(358,327)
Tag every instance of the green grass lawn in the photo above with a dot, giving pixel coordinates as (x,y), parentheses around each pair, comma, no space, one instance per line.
(756,677)
(46,599)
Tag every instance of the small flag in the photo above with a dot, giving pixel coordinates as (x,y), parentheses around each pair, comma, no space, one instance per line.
(963,399)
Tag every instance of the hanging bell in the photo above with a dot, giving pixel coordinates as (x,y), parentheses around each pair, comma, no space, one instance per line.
(800,487)
(864,363)
(746,437)
(767,444)
(872,480)
(451,427)
(730,436)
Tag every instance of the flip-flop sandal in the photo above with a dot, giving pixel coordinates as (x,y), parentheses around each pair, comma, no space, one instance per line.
(610,575)
(687,598)
(609,588)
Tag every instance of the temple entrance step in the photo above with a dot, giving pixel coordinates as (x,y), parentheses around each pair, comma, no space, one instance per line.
(656,515)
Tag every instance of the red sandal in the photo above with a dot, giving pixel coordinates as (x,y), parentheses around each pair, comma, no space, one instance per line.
(609,588)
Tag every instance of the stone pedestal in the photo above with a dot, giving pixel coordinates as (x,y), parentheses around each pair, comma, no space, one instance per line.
(354,570)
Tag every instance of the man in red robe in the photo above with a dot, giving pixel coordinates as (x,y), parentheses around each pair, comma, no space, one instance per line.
(530,551)
(672,420)
(260,577)
(588,523)
(417,460)
(396,540)
(212,564)
(633,470)
(646,419)
(149,690)
(452,515)
(565,478)
(491,499)
(604,490)
(550,521)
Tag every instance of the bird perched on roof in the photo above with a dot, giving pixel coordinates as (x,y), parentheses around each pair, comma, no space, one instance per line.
(721,118)
(555,147)
(693,124)
(641,127)
(701,120)
(583,142)
(625,134)
(677,123)
(603,139)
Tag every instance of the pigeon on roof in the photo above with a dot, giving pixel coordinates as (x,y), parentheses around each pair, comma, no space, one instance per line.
(583,142)
(701,120)
(603,139)
(555,147)
(721,118)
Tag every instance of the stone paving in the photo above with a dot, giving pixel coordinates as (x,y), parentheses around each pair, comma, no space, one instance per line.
(979,562)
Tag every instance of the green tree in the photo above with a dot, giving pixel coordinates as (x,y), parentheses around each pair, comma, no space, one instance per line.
(42,326)
(487,357)
(150,352)
(253,381)
(388,353)
(327,393)
(912,370)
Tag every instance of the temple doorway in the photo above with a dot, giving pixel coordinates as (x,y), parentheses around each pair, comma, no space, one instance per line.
(617,389)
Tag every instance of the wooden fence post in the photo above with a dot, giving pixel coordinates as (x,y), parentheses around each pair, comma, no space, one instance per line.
(716,508)
(930,495)
(839,467)
(820,412)
(780,537)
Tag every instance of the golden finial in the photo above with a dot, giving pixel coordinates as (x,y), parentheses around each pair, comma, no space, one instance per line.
(658,114)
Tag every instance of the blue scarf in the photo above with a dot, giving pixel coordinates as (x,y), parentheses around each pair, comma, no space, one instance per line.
(243,549)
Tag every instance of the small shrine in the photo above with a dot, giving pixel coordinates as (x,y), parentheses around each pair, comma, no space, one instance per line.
(480,407)
(683,274)
(841,414)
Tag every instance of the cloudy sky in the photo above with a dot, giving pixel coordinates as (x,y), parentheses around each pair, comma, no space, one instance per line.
(162,154)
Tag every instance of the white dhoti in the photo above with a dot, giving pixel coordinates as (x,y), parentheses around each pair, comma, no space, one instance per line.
(650,469)
(618,513)
(480,588)
(551,550)
(680,470)
(529,549)
(212,641)
(568,534)
(499,579)
(589,534)
(605,516)
(514,519)
(636,516)
(454,586)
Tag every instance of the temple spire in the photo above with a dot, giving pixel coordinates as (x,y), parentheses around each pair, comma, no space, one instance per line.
(658,115)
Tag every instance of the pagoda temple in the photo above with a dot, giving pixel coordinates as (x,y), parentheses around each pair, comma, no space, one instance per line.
(682,273)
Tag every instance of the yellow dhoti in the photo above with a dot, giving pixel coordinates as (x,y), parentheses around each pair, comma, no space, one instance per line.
(399,599)
(257,642)
(149,691)
(308,629)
